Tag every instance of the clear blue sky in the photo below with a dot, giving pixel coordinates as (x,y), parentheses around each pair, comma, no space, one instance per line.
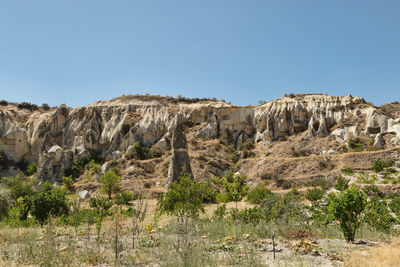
(80,51)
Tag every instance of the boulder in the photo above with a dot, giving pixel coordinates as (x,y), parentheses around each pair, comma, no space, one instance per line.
(84,195)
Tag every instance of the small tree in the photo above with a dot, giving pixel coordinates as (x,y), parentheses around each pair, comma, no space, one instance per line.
(101,205)
(184,201)
(348,207)
(110,183)
(139,210)
(76,216)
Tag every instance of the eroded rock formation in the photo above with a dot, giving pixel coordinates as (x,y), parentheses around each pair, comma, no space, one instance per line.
(110,127)
(180,163)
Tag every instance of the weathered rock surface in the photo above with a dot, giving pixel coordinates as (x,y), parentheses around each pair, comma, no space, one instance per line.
(180,163)
(112,126)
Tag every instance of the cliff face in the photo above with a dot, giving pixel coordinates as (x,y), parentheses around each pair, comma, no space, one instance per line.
(110,126)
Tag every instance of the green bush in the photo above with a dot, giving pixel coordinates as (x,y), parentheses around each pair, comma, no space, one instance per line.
(258,194)
(342,183)
(355,144)
(282,208)
(5,202)
(125,127)
(248,145)
(138,151)
(68,182)
(124,198)
(247,215)
(315,194)
(208,193)
(378,215)
(220,212)
(78,166)
(379,164)
(347,171)
(19,185)
(32,169)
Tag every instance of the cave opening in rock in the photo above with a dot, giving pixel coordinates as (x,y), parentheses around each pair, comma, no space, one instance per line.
(316,126)
(373,130)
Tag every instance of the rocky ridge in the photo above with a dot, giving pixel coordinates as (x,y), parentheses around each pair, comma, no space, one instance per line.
(57,137)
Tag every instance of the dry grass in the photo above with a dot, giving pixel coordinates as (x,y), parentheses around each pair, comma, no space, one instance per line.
(383,255)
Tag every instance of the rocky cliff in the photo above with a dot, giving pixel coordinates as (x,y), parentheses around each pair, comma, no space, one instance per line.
(58,136)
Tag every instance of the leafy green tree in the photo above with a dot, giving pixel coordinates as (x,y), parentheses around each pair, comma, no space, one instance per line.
(48,202)
(183,199)
(110,183)
(348,208)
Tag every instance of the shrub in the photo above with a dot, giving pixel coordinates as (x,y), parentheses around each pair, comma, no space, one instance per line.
(208,193)
(5,202)
(347,207)
(378,215)
(248,145)
(258,194)
(125,127)
(68,182)
(78,166)
(355,144)
(45,106)
(342,183)
(110,183)
(19,186)
(347,171)
(32,169)
(315,194)
(26,105)
(124,198)
(3,103)
(138,151)
(379,164)
(220,212)
(247,215)
(286,208)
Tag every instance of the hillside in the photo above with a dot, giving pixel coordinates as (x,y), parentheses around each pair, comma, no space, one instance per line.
(288,141)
